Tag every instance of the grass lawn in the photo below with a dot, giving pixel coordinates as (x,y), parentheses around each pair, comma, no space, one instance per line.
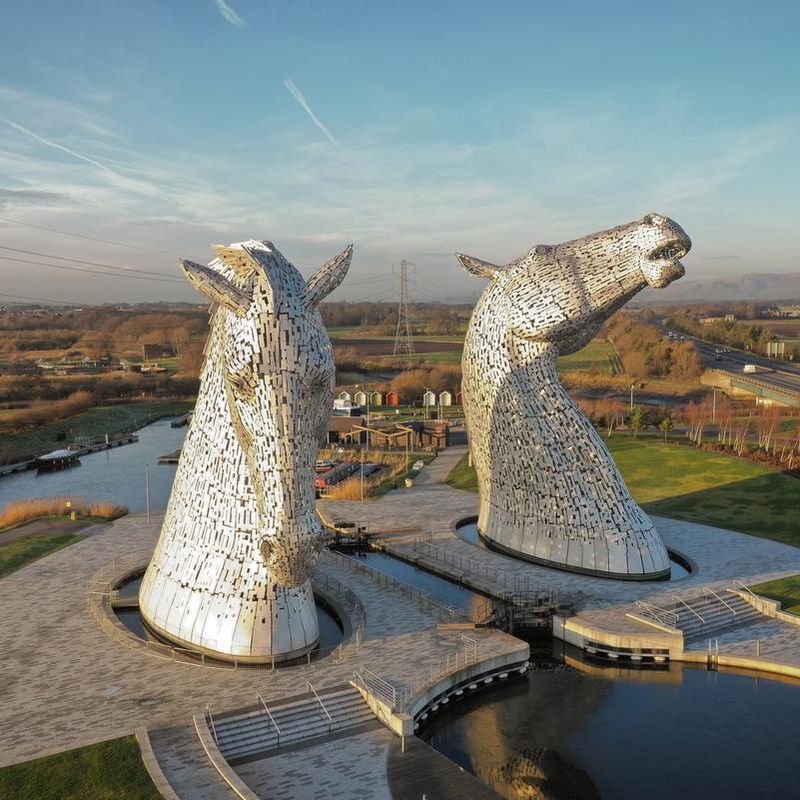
(20,552)
(104,771)
(686,483)
(95,422)
(596,355)
(785,590)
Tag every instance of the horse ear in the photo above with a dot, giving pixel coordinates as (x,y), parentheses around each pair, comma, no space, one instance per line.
(216,287)
(476,267)
(327,277)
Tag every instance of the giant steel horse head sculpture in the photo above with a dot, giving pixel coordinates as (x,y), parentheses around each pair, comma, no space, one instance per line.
(241,532)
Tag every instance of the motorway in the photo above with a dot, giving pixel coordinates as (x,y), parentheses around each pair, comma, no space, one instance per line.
(784,376)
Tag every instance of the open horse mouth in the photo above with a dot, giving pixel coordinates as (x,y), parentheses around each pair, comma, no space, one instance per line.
(669,252)
(662,264)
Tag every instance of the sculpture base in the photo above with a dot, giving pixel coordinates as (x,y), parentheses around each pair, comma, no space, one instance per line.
(280,658)
(661,575)
(260,625)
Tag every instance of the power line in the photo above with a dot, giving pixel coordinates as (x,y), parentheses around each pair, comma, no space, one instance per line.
(89,263)
(43,300)
(92,271)
(87,238)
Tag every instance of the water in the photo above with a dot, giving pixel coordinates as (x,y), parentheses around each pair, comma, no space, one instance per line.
(330,631)
(638,734)
(439,588)
(469,533)
(116,474)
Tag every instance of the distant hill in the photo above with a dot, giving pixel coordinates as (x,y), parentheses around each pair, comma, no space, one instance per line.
(752,286)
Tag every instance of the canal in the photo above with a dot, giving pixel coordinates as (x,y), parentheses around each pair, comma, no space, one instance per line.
(116,474)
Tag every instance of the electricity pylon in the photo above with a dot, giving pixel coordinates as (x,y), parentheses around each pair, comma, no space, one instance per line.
(403,343)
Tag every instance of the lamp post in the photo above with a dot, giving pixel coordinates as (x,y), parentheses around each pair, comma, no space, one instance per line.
(147,490)
(633,385)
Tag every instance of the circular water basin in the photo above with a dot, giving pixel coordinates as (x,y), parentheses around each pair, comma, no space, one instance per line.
(330,627)
(680,567)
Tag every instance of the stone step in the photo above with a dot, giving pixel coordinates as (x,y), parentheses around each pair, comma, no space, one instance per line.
(252,732)
(248,744)
(234,734)
(342,708)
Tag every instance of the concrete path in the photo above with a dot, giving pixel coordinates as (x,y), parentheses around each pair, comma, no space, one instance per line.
(65,683)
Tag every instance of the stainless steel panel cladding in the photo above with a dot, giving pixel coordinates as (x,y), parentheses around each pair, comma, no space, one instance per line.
(231,571)
(549,489)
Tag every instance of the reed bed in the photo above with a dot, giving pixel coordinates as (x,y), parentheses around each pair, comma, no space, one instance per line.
(18,511)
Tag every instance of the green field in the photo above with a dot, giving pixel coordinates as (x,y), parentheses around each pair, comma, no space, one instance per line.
(597,356)
(784,590)
(684,482)
(105,771)
(16,554)
(95,423)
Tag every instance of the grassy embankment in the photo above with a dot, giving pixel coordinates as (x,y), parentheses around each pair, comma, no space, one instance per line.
(785,590)
(698,486)
(32,528)
(110,770)
(95,423)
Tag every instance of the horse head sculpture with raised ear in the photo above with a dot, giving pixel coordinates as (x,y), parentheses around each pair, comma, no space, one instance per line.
(549,489)
(265,399)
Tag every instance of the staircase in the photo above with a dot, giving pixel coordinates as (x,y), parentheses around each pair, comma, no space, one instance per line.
(700,616)
(256,731)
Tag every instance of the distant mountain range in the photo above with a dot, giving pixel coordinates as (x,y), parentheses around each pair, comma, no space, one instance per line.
(752,286)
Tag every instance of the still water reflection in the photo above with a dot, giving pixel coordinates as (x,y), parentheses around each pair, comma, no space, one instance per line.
(680,732)
(116,474)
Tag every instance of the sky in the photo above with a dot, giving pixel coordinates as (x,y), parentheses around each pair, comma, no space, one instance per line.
(413,129)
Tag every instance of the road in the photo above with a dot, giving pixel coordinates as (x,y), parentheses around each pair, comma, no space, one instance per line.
(783,376)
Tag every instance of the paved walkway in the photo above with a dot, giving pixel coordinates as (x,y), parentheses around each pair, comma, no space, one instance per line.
(65,683)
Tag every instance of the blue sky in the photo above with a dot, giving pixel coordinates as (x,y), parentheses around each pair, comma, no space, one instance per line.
(412,129)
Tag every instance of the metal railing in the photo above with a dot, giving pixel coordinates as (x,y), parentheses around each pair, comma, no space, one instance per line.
(271,718)
(424,601)
(312,690)
(676,600)
(211,724)
(497,578)
(709,591)
(741,585)
(662,615)
(399,699)
(376,686)
(100,595)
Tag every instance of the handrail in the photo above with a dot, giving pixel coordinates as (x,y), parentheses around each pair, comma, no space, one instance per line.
(426,602)
(271,718)
(506,580)
(675,598)
(211,723)
(662,615)
(321,704)
(730,608)
(737,582)
(376,685)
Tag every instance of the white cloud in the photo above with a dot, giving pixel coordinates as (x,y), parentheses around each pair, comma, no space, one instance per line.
(229,14)
(298,95)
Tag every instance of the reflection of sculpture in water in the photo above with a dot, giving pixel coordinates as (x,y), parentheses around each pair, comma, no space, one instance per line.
(515,742)
(231,571)
(549,489)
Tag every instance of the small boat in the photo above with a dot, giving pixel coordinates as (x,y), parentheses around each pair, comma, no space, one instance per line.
(58,459)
